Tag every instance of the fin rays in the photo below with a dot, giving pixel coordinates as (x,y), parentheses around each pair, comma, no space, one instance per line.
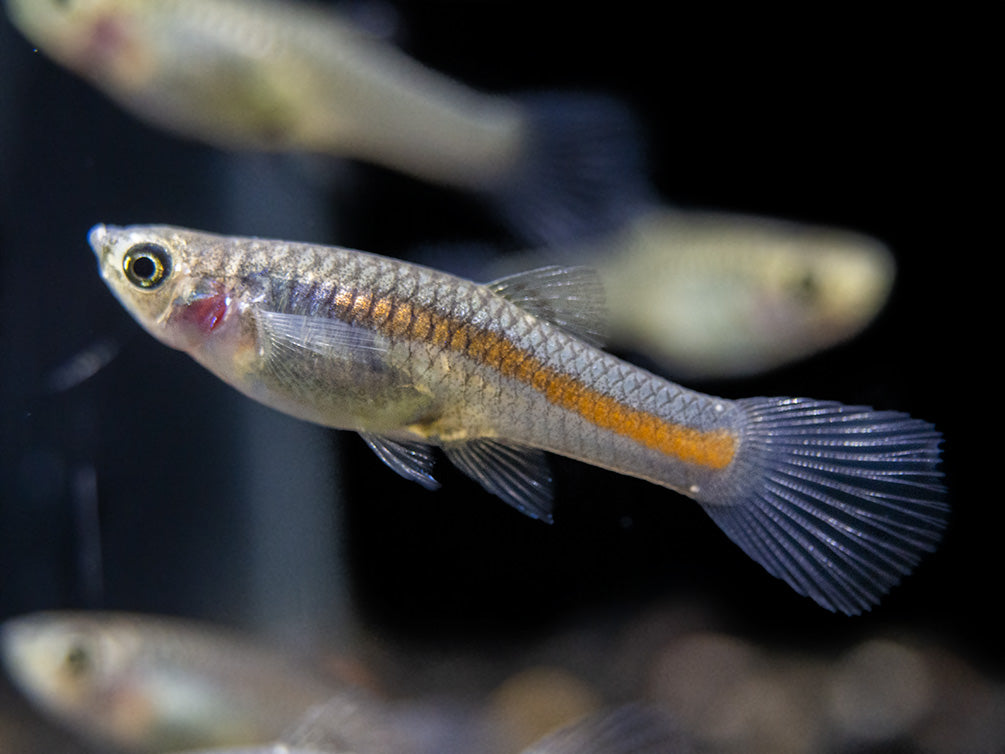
(847,498)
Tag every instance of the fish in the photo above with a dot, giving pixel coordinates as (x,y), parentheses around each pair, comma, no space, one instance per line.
(155,683)
(296,77)
(710,295)
(838,501)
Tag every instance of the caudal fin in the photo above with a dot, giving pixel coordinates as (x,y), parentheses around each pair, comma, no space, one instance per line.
(582,174)
(838,501)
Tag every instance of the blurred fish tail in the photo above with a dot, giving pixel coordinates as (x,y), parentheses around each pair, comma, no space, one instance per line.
(838,501)
(583,171)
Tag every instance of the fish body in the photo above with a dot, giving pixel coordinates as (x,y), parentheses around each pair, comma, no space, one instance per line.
(714,294)
(630,729)
(269,75)
(627,730)
(291,76)
(148,683)
(839,501)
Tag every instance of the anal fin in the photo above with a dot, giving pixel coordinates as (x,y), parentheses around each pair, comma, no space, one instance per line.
(517,474)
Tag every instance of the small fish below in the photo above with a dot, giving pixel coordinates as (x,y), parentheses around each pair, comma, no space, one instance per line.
(839,501)
(154,683)
(296,77)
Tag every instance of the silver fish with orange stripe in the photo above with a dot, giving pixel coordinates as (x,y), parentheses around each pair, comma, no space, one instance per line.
(839,501)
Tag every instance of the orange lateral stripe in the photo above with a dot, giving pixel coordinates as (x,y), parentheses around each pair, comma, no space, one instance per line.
(712,449)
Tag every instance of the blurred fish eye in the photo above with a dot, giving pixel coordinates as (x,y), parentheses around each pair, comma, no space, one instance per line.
(78,660)
(806,287)
(147,265)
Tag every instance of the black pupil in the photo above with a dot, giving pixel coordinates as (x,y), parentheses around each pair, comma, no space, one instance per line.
(78,660)
(144,267)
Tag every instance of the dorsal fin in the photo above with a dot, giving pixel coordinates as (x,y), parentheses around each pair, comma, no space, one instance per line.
(570,297)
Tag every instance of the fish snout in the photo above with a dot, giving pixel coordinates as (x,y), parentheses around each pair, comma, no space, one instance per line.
(98,239)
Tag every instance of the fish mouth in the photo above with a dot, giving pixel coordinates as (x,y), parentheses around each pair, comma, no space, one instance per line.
(100,240)
(97,237)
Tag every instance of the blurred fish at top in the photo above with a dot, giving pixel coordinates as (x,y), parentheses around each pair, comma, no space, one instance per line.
(146,683)
(714,294)
(266,75)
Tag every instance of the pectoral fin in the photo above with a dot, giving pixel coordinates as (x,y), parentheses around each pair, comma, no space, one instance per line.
(291,334)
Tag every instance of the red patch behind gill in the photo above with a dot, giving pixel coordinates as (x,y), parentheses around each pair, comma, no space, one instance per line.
(206,312)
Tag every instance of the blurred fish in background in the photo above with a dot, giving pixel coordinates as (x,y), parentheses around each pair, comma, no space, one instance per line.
(664,680)
(629,730)
(277,76)
(146,683)
(714,295)
(153,684)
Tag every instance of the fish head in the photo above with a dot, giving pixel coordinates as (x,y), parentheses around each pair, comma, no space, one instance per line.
(163,281)
(98,39)
(827,283)
(69,666)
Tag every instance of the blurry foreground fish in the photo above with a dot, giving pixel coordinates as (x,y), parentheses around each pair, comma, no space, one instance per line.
(838,501)
(154,684)
(708,294)
(267,75)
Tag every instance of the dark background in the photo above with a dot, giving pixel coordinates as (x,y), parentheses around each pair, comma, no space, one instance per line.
(152,486)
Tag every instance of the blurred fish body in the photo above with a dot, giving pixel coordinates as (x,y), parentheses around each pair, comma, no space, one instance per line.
(838,501)
(153,684)
(709,294)
(628,730)
(267,75)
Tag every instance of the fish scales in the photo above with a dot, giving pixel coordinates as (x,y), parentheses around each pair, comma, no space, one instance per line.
(839,501)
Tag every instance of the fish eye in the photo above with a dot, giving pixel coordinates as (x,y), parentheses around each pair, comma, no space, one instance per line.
(146,265)
(806,287)
(78,660)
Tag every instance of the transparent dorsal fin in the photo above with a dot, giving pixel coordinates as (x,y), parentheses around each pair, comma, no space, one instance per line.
(412,460)
(570,297)
(517,474)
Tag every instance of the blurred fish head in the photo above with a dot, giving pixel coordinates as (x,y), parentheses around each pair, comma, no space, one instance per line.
(828,285)
(99,39)
(71,668)
(164,285)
